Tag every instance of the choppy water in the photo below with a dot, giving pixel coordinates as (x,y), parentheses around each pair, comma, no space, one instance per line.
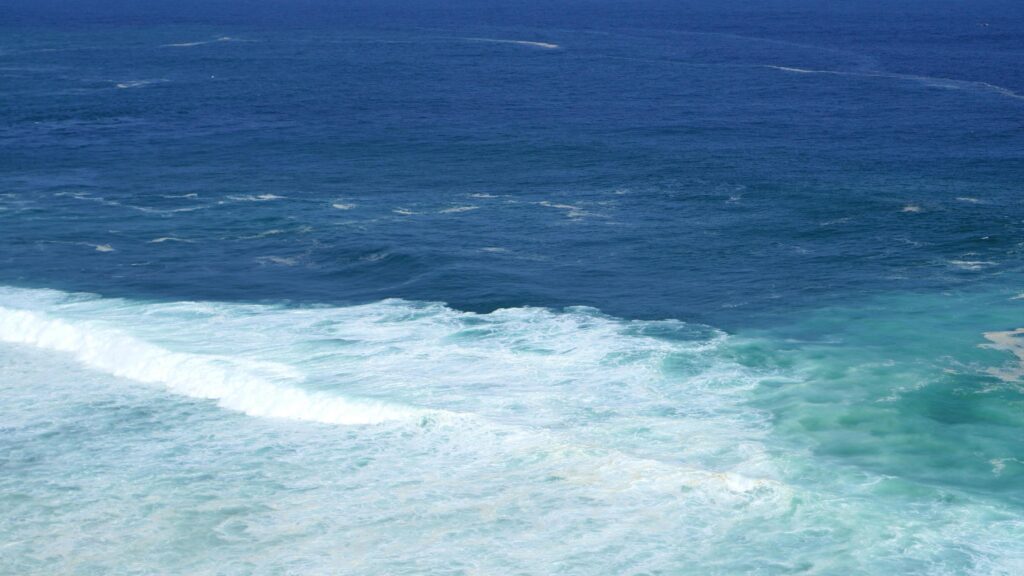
(393,290)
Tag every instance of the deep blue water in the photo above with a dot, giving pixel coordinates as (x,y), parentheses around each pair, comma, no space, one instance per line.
(512,288)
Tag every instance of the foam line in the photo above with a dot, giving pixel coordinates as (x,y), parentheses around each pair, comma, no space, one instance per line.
(931,81)
(197,43)
(1011,341)
(544,45)
(243,385)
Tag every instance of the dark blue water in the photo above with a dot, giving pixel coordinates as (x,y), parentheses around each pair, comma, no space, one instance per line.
(839,188)
(695,180)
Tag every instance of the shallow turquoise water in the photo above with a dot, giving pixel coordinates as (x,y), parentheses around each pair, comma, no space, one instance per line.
(394,436)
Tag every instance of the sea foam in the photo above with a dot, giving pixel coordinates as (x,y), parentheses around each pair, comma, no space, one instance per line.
(544,45)
(253,387)
(254,197)
(929,81)
(608,403)
(1011,341)
(198,42)
(522,366)
(137,83)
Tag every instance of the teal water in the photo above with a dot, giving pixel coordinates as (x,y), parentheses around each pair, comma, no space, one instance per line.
(391,437)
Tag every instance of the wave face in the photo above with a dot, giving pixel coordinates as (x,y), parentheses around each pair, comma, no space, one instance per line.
(321,436)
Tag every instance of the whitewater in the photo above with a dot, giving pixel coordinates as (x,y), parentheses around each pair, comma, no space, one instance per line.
(523,427)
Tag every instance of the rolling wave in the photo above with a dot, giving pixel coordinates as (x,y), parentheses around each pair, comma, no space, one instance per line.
(528,366)
(574,385)
(253,387)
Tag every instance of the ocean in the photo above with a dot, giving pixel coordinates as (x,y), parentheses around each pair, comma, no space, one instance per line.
(452,287)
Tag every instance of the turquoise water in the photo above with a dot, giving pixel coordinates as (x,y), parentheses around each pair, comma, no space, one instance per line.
(506,288)
(392,437)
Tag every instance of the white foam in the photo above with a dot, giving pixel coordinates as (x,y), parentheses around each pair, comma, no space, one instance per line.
(342,206)
(255,198)
(137,83)
(1011,341)
(575,396)
(430,355)
(166,211)
(163,239)
(999,464)
(843,220)
(282,260)
(912,208)
(930,81)
(254,388)
(795,70)
(572,211)
(199,42)
(972,264)
(103,247)
(146,209)
(613,473)
(264,234)
(87,197)
(457,209)
(534,44)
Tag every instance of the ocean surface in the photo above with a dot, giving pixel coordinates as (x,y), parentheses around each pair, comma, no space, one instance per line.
(303,288)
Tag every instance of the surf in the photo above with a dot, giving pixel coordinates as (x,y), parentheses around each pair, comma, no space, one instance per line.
(253,387)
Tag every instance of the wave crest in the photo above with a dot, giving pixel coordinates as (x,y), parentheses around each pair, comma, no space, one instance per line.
(255,388)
